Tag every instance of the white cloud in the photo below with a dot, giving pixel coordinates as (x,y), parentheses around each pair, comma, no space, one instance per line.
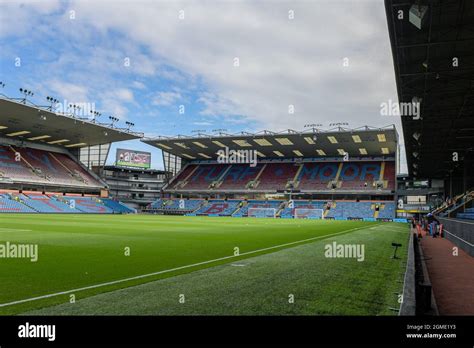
(73,92)
(138,85)
(283,62)
(165,98)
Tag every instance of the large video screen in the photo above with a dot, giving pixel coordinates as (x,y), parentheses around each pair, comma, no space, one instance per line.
(133,159)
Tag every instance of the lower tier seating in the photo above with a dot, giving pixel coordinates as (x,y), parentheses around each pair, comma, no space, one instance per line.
(218,207)
(255,204)
(117,206)
(279,208)
(52,203)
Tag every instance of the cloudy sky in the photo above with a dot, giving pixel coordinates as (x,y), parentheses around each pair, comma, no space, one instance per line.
(234,65)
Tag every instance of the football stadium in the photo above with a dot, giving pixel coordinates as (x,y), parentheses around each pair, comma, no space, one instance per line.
(326,219)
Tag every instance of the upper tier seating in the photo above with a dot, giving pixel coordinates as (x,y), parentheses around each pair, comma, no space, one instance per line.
(270,177)
(359,175)
(238,176)
(204,176)
(275,176)
(316,176)
(182,175)
(15,169)
(43,167)
(389,175)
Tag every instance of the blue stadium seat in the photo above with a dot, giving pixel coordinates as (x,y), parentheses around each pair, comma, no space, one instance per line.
(10,205)
(118,207)
(218,207)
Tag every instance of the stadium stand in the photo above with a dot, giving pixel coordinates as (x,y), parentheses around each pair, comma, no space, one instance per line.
(50,203)
(175,204)
(309,176)
(117,206)
(237,208)
(316,176)
(9,205)
(288,212)
(348,210)
(358,176)
(89,205)
(258,204)
(238,176)
(204,176)
(44,204)
(275,176)
(218,207)
(43,167)
(180,179)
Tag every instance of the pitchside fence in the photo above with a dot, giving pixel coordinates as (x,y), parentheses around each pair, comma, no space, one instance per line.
(459,232)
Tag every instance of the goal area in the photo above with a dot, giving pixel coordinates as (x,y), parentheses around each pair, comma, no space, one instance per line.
(262,212)
(301,213)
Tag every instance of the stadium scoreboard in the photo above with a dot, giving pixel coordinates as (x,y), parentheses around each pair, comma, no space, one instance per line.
(133,159)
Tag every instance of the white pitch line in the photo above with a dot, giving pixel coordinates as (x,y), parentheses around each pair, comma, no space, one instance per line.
(172,269)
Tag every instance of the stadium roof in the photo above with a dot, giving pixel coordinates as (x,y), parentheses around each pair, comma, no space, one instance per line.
(435,64)
(27,122)
(364,141)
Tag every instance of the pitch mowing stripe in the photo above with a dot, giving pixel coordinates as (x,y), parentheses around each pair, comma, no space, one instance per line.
(173,269)
(13,230)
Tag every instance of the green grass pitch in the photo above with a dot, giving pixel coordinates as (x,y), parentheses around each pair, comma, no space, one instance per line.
(278,258)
